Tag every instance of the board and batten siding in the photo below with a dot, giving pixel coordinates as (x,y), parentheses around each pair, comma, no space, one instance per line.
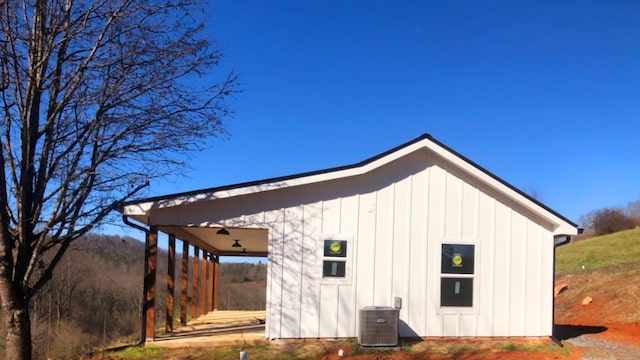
(395,219)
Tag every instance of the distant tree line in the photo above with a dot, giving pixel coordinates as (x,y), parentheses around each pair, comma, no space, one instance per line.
(611,219)
(94,298)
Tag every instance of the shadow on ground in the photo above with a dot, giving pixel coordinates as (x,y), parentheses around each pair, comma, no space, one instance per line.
(210,331)
(564,332)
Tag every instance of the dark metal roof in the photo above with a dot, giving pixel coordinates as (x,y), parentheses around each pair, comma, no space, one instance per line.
(346,167)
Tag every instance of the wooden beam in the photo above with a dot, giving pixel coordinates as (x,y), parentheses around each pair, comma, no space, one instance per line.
(194,281)
(203,284)
(171,267)
(151,257)
(216,277)
(210,283)
(185,235)
(184,283)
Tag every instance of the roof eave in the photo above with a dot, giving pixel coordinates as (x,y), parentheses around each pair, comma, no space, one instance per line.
(144,205)
(562,226)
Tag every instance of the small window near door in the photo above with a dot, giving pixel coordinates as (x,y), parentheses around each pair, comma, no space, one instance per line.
(334,264)
(333,268)
(335,248)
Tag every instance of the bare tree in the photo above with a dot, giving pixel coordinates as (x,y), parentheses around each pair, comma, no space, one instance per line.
(610,220)
(97,98)
(633,210)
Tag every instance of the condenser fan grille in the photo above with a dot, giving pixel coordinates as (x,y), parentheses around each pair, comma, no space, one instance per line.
(378,326)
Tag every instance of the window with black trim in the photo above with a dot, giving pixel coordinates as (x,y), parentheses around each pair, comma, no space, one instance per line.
(334,262)
(335,248)
(333,268)
(458,270)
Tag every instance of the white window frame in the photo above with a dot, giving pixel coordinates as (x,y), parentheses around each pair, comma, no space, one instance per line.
(348,260)
(464,310)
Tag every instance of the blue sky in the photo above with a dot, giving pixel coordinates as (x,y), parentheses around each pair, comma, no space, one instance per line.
(544,94)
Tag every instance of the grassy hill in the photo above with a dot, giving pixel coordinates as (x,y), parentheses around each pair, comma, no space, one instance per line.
(599,252)
(605,268)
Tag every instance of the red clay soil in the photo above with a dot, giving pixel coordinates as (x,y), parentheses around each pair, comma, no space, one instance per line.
(599,321)
(616,295)
(478,354)
(613,315)
(462,356)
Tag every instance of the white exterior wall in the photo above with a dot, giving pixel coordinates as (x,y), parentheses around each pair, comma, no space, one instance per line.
(395,220)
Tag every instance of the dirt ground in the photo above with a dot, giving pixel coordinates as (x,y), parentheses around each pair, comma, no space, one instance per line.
(609,326)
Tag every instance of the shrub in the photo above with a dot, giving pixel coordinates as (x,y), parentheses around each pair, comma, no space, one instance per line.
(610,220)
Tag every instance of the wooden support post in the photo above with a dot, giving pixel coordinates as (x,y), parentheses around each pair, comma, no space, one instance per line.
(210,283)
(203,284)
(151,255)
(171,267)
(184,283)
(216,277)
(194,282)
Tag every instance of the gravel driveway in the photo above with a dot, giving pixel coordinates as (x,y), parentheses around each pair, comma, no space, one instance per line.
(596,349)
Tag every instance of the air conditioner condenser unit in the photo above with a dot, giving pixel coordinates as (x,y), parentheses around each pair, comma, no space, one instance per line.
(378,326)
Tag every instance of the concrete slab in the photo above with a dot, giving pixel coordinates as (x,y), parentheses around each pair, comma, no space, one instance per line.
(216,328)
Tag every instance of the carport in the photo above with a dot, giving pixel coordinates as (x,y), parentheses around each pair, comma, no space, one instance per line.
(206,243)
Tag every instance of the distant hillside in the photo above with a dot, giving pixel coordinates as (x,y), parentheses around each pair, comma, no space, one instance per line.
(95,295)
(112,248)
(606,269)
(242,285)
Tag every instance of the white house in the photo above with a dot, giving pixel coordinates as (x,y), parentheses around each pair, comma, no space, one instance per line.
(467,253)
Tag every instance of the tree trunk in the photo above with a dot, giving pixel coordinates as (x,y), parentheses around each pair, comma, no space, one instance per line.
(15,318)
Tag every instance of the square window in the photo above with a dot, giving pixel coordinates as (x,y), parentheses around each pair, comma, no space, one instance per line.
(456,292)
(335,248)
(332,268)
(457,259)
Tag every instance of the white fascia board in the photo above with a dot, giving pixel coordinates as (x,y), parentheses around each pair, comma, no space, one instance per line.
(144,208)
(136,209)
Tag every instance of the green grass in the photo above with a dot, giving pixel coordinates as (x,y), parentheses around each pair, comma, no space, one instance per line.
(509,347)
(141,352)
(405,347)
(355,346)
(599,252)
(256,351)
(456,350)
(533,348)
